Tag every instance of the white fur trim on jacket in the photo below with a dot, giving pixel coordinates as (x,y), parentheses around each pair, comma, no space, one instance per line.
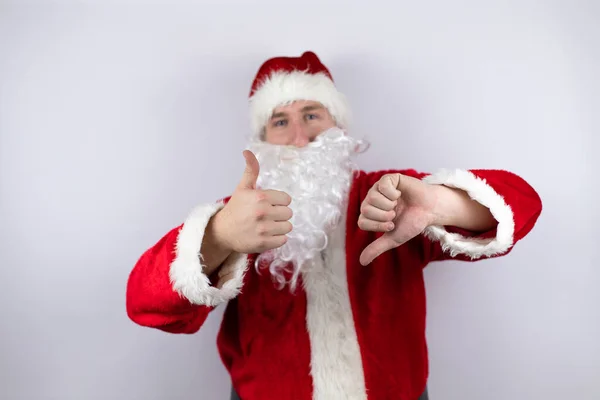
(284,87)
(336,363)
(186,270)
(480,191)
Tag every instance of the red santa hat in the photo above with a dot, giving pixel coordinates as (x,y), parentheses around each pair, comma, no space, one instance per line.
(282,80)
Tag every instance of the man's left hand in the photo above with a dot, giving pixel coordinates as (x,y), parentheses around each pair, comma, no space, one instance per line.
(400,206)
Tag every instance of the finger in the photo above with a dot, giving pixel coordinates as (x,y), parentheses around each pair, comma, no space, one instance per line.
(276,197)
(250,175)
(375,214)
(279,213)
(374,226)
(377,199)
(273,242)
(388,187)
(376,248)
(272,228)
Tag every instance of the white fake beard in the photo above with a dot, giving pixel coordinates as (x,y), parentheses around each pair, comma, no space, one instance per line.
(317,178)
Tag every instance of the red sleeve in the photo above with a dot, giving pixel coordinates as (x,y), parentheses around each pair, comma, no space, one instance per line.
(513,202)
(167,288)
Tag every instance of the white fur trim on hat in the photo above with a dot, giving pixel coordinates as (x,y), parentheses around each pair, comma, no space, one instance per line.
(284,87)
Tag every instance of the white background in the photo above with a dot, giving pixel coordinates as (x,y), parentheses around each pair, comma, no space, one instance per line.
(116,120)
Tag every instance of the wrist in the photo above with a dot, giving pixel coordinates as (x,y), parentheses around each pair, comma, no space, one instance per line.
(454,207)
(217,230)
(214,249)
(444,207)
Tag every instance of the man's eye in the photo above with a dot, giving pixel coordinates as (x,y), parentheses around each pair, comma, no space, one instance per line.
(311,116)
(281,122)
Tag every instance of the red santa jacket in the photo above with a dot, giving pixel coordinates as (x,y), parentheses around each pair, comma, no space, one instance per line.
(350,332)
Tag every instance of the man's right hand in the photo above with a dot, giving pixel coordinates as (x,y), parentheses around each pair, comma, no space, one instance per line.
(253,221)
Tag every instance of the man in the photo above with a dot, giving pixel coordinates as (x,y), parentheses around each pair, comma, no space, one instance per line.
(320,264)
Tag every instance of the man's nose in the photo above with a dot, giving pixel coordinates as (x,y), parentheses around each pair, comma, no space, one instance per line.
(300,133)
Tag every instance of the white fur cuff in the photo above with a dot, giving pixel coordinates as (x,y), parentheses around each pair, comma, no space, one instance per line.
(480,191)
(186,270)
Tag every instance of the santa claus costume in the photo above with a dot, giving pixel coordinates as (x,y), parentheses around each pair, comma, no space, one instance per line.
(346,331)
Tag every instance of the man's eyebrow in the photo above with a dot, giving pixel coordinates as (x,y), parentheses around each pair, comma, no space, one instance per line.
(278,115)
(312,108)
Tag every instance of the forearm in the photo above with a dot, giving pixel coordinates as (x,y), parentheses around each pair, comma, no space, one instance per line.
(214,252)
(454,207)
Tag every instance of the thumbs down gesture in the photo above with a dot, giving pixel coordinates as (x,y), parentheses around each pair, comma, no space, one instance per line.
(399,206)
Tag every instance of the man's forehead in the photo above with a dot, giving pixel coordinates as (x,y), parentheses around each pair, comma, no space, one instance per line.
(298,105)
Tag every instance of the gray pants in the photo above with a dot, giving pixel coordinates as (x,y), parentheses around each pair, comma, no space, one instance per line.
(234,395)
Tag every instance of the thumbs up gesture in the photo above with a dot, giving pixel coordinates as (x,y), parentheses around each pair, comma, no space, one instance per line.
(254,221)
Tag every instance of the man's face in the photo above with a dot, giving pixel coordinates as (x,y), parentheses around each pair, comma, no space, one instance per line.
(304,154)
(298,123)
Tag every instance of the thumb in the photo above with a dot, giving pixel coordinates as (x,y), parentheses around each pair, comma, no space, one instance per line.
(251,172)
(375,249)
